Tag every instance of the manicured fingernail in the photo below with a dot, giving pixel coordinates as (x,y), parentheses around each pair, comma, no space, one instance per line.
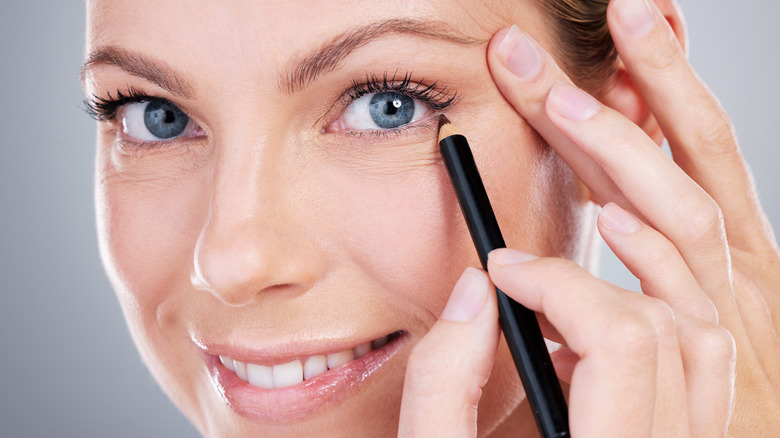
(635,16)
(508,256)
(618,220)
(519,54)
(573,103)
(468,297)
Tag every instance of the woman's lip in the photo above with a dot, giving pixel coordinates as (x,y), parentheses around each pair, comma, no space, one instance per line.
(304,399)
(280,352)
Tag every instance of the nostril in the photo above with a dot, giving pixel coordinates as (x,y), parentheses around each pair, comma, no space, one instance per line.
(239,271)
(233,273)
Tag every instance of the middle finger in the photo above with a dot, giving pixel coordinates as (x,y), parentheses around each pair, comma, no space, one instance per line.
(615,159)
(529,74)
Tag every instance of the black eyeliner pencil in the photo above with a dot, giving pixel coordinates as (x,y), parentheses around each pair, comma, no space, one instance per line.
(519,324)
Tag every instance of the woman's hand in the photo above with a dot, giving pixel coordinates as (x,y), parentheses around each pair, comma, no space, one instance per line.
(703,250)
(697,354)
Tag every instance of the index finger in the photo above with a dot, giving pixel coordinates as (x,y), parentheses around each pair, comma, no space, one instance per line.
(697,128)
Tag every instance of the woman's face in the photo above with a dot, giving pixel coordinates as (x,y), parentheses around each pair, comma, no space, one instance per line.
(269,190)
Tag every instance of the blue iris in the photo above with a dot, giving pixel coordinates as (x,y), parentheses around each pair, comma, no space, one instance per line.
(164,120)
(391,110)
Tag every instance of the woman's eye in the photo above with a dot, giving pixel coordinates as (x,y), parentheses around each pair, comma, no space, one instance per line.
(155,120)
(385,110)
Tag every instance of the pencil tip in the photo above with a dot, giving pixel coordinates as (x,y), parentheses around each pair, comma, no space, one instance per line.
(446,128)
(443,120)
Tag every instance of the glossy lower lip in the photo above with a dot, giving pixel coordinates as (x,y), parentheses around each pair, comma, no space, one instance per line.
(304,399)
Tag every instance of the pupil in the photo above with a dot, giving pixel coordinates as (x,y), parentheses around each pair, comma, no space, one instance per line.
(164,120)
(391,110)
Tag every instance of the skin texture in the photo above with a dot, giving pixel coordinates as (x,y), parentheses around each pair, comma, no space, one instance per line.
(268,230)
(697,353)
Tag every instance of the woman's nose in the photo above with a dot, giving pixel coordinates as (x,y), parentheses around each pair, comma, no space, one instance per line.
(253,242)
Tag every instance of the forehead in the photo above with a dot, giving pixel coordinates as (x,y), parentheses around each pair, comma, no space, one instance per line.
(269,31)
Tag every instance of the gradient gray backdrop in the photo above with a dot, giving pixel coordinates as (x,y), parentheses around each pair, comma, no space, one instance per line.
(68,365)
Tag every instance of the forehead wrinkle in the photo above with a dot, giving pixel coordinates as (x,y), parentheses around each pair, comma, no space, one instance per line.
(152,70)
(327,57)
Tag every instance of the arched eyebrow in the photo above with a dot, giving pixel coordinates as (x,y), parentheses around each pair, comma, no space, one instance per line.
(327,57)
(152,70)
(300,73)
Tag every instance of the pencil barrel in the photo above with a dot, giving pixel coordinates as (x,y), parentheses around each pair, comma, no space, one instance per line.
(519,324)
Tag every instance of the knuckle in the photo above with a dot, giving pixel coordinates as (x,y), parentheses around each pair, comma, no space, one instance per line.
(425,378)
(705,219)
(622,137)
(661,315)
(433,379)
(661,253)
(632,335)
(661,60)
(717,344)
(715,135)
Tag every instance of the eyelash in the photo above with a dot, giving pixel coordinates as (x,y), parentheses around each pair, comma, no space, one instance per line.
(105,109)
(434,97)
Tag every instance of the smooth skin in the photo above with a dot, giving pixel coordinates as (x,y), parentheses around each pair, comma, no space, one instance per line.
(696,355)
(198,259)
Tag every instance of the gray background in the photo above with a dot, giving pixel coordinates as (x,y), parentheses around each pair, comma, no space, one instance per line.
(68,365)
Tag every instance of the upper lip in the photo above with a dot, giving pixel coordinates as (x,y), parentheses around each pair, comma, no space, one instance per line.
(277,352)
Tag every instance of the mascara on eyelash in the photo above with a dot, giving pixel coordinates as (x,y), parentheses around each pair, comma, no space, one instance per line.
(435,97)
(105,108)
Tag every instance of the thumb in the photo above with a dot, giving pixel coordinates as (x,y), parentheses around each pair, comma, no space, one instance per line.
(449,366)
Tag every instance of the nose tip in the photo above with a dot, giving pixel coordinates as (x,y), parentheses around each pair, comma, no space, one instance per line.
(239,271)
(228,276)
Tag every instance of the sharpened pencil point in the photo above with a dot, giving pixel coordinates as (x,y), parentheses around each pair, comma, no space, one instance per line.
(446,128)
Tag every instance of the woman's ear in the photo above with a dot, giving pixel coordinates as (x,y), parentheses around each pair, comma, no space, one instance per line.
(674,17)
(622,93)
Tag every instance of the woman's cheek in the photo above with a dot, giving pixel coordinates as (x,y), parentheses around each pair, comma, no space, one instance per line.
(148,225)
(400,229)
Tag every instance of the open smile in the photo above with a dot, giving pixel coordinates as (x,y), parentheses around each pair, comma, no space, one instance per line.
(298,388)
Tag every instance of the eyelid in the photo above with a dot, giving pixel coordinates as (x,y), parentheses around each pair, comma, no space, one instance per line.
(433,96)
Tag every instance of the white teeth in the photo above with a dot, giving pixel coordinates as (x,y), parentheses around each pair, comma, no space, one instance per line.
(241,371)
(315,366)
(379,343)
(293,373)
(362,349)
(338,359)
(260,376)
(228,362)
(288,374)
(552,345)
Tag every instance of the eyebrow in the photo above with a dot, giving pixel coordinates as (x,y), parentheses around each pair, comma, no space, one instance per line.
(152,70)
(327,57)
(303,72)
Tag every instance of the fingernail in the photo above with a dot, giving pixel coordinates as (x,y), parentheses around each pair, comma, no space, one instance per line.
(618,220)
(519,54)
(573,103)
(508,256)
(635,16)
(468,297)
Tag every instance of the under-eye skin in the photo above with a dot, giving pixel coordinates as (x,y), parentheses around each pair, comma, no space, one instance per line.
(389,105)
